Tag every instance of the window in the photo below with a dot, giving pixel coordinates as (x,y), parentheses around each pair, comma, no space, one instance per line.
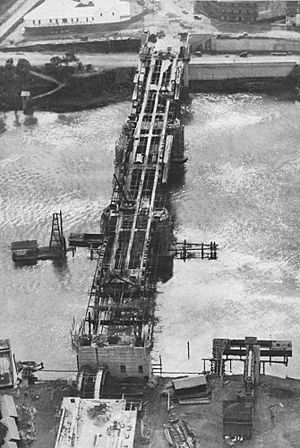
(113,13)
(56,21)
(140,369)
(34,22)
(123,369)
(39,22)
(64,20)
(87,19)
(50,20)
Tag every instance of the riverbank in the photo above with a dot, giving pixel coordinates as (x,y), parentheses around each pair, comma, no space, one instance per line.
(275,420)
(109,81)
(79,91)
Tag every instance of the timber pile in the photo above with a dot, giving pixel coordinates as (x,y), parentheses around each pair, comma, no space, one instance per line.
(26,424)
(179,435)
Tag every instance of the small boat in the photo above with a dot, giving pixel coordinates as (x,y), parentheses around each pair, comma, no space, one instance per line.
(8,373)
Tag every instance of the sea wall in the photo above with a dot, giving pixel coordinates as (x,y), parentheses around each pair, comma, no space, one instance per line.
(240,68)
(130,44)
(237,43)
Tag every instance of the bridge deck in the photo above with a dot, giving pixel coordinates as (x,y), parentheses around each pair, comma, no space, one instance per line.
(121,297)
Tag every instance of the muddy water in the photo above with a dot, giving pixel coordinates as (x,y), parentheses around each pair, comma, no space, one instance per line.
(241,189)
(63,162)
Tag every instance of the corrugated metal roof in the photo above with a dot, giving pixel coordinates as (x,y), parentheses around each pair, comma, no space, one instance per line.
(7,406)
(189,382)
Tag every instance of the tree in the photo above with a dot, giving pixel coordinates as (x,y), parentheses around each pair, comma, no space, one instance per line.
(3,432)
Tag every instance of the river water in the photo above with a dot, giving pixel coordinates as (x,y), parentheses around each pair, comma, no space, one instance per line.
(241,189)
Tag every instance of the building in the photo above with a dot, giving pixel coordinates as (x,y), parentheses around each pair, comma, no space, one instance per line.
(8,417)
(54,16)
(241,11)
(95,423)
(192,389)
(293,13)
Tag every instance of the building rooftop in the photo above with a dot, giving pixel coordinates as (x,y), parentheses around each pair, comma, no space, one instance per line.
(95,423)
(189,382)
(59,9)
(8,418)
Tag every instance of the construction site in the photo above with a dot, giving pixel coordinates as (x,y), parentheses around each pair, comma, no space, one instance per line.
(120,396)
(117,394)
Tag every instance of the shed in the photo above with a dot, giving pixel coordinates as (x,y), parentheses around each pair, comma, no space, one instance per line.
(195,386)
(7,406)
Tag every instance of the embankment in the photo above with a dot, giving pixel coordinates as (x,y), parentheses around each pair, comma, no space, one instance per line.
(80,91)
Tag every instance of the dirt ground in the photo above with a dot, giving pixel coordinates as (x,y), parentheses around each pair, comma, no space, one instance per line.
(276,415)
(39,411)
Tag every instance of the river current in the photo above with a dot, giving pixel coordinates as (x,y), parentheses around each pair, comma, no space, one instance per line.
(241,189)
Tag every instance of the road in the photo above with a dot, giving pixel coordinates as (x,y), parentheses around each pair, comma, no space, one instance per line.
(15,14)
(232,58)
(101,61)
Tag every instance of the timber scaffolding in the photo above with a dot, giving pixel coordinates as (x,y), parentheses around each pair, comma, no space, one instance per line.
(117,329)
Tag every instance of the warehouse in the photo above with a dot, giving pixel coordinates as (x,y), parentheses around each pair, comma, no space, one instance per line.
(63,15)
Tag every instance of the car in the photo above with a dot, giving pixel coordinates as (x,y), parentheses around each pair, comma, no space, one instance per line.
(197,17)
(185,11)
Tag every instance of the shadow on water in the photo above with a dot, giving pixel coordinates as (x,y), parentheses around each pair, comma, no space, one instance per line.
(61,270)
(187,112)
(30,120)
(26,266)
(3,127)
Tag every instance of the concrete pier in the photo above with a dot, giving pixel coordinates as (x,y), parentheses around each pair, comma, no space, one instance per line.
(223,67)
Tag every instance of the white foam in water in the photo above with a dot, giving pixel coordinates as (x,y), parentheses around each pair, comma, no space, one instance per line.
(240,190)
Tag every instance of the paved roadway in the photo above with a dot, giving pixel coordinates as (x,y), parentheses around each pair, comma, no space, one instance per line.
(15,13)
(101,61)
(229,59)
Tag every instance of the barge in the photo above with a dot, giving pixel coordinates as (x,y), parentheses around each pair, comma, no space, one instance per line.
(28,252)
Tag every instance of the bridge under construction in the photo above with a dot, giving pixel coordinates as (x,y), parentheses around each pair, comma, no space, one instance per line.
(136,230)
